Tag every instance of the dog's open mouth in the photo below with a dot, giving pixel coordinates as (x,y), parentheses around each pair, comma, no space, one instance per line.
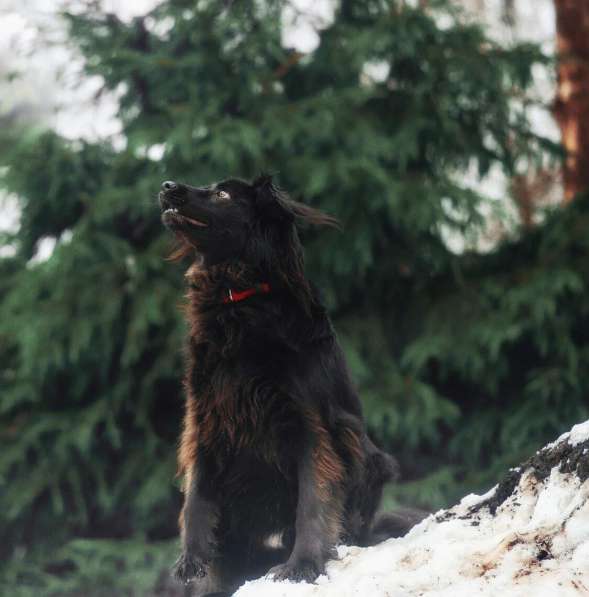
(172,213)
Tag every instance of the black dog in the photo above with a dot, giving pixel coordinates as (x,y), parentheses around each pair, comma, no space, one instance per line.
(274,449)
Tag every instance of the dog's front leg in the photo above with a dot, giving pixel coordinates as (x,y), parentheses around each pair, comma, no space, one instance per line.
(319,507)
(197,522)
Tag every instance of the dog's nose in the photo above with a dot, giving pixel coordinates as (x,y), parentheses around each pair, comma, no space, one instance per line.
(169,185)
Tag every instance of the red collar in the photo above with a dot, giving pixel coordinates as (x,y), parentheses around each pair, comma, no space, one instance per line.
(234,296)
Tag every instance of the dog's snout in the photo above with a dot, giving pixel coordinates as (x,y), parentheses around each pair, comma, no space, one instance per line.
(169,185)
(173,193)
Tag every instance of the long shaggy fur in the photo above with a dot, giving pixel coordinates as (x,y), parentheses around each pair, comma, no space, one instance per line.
(274,443)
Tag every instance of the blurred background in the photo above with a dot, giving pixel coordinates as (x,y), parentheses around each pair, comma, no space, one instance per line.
(450,136)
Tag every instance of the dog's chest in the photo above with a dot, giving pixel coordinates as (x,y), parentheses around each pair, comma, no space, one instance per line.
(239,413)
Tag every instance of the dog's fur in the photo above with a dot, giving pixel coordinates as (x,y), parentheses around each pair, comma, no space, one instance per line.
(276,463)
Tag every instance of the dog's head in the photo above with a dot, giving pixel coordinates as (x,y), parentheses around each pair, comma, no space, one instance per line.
(234,220)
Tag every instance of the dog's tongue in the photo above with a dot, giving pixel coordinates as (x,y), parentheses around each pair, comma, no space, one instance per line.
(193,221)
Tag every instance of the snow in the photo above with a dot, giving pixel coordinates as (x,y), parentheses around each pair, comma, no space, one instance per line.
(555,443)
(579,433)
(472,499)
(537,543)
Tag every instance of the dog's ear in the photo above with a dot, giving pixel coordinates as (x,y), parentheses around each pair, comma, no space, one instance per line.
(275,205)
(270,200)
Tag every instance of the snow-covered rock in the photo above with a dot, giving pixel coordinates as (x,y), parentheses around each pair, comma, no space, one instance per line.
(528,536)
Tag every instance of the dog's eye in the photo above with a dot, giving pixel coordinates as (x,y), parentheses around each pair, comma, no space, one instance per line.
(222,195)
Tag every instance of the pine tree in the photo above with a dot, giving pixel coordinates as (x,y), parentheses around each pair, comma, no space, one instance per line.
(463,361)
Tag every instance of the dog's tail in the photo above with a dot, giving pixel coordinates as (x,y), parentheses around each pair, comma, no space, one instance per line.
(387,525)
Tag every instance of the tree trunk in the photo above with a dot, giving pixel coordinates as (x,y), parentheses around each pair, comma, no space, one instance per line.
(572,103)
(508,13)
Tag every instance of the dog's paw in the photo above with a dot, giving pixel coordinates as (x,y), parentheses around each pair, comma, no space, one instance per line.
(188,568)
(301,571)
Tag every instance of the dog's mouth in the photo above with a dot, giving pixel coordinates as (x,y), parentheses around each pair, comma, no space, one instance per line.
(174,215)
(177,213)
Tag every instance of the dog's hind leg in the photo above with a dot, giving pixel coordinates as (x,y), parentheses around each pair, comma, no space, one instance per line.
(394,524)
(374,528)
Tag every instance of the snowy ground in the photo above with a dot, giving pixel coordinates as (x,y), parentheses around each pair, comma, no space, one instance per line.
(528,536)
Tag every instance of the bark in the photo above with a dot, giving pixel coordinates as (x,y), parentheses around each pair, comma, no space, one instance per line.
(531,190)
(508,13)
(524,199)
(572,103)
